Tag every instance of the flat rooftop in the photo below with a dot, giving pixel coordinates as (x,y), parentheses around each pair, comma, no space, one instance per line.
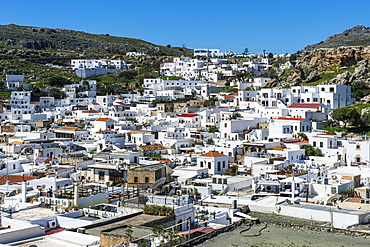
(32,214)
(138,221)
(328,208)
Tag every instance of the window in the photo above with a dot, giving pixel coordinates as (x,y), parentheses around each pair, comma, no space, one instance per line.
(209,165)
(223,164)
(136,179)
(331,89)
(358,146)
(322,89)
(314,99)
(314,144)
(146,180)
(101,175)
(328,101)
(219,166)
(321,144)
(201,164)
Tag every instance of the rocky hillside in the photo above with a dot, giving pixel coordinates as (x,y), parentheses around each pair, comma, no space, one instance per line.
(37,38)
(356,36)
(342,66)
(322,59)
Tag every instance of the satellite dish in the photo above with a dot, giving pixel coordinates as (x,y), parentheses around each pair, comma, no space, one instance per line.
(158,183)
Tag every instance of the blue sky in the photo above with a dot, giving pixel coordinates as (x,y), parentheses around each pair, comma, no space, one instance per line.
(274,26)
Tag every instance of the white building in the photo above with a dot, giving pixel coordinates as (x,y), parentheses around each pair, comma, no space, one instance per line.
(216,162)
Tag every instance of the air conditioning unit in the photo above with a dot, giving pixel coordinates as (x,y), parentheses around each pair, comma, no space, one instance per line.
(52,224)
(66,203)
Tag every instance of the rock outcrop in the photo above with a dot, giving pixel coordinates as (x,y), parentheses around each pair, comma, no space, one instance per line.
(323,59)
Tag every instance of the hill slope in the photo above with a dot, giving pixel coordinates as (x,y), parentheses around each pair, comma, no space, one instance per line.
(356,36)
(60,39)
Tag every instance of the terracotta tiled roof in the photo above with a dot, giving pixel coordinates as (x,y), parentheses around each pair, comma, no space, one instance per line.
(203,230)
(291,118)
(103,119)
(188,115)
(356,200)
(152,147)
(106,131)
(69,128)
(304,105)
(299,143)
(90,111)
(15,178)
(166,160)
(212,154)
(227,96)
(95,103)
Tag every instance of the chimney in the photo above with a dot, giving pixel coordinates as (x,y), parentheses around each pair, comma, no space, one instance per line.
(75,201)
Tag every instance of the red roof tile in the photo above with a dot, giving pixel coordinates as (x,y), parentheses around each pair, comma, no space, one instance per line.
(201,229)
(90,111)
(152,147)
(188,115)
(106,131)
(304,105)
(291,118)
(356,200)
(69,128)
(212,154)
(15,178)
(103,119)
(166,160)
(227,96)
(299,143)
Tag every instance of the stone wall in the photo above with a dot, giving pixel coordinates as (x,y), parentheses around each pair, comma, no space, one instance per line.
(110,239)
(318,228)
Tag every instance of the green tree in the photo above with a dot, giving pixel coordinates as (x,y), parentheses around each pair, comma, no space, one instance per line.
(270,55)
(303,136)
(232,171)
(210,141)
(128,234)
(212,129)
(246,51)
(57,81)
(56,93)
(133,120)
(360,89)
(312,151)
(236,116)
(365,118)
(347,114)
(293,59)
